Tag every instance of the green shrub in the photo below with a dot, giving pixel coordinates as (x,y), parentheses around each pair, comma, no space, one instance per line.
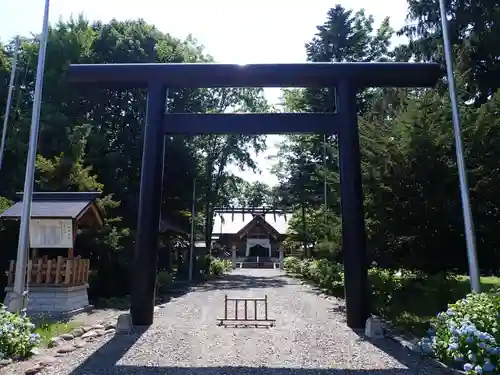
(322,272)
(163,281)
(217,267)
(467,335)
(325,274)
(228,265)
(384,286)
(17,335)
(304,268)
(292,264)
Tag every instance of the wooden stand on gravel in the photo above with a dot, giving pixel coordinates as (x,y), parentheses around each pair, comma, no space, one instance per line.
(255,319)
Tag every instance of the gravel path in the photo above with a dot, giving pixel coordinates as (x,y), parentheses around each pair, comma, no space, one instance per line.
(310,337)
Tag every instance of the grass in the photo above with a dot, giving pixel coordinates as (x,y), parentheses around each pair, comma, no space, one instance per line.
(410,303)
(48,330)
(118,303)
(414,306)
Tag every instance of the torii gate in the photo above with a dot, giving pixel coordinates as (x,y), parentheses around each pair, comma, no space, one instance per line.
(347,78)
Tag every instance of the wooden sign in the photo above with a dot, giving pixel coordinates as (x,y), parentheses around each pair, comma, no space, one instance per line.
(46,233)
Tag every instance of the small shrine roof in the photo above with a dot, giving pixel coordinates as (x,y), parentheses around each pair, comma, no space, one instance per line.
(56,205)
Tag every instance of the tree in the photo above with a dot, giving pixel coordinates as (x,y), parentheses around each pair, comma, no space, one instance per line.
(111,124)
(412,201)
(256,194)
(216,152)
(474,32)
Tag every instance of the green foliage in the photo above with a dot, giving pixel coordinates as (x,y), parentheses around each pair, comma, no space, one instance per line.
(93,141)
(407,146)
(385,285)
(324,273)
(466,335)
(476,47)
(164,281)
(410,301)
(4,204)
(320,230)
(217,267)
(292,264)
(256,194)
(49,329)
(17,335)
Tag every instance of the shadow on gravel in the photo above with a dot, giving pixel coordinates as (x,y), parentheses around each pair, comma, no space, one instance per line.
(226,282)
(227,370)
(104,362)
(414,361)
(239,281)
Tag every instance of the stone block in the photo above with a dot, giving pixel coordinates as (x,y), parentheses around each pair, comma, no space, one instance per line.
(374,328)
(124,323)
(54,301)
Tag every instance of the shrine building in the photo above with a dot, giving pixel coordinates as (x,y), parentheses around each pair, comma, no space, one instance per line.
(251,234)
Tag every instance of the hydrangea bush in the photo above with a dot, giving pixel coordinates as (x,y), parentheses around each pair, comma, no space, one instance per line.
(17,335)
(467,335)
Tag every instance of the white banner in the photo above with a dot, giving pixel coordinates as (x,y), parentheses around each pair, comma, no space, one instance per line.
(264,242)
(46,233)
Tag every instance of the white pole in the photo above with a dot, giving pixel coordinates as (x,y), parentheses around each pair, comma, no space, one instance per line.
(9,98)
(193,212)
(22,248)
(464,189)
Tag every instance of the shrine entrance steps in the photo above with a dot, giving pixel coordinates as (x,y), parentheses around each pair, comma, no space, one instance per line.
(257,262)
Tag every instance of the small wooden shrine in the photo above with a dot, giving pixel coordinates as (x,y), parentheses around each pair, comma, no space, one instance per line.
(56,279)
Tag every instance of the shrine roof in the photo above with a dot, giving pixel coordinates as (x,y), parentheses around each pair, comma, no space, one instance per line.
(226,224)
(55,205)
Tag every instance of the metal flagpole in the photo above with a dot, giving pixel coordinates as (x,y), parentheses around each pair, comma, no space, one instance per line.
(9,98)
(464,189)
(22,248)
(193,207)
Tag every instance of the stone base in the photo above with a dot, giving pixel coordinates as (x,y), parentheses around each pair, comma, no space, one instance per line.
(54,302)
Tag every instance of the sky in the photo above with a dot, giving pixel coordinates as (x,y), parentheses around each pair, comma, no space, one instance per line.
(240,32)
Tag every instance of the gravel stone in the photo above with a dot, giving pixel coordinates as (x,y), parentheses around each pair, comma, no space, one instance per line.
(310,337)
(33,369)
(67,336)
(89,334)
(54,342)
(66,349)
(77,332)
(46,361)
(5,362)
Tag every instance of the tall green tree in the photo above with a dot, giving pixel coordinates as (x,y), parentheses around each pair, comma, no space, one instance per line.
(255,194)
(474,31)
(112,123)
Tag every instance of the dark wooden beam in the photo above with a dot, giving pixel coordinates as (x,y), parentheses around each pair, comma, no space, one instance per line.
(146,239)
(353,221)
(387,74)
(250,123)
